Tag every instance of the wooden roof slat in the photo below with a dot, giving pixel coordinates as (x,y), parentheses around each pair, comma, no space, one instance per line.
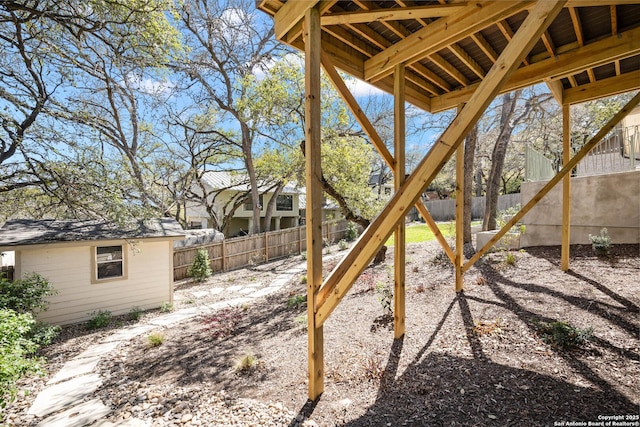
(577,25)
(392,14)
(614,19)
(485,46)
(467,60)
(563,65)
(440,34)
(448,68)
(507,32)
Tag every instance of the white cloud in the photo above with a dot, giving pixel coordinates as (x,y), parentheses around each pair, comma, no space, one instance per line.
(361,88)
(151,86)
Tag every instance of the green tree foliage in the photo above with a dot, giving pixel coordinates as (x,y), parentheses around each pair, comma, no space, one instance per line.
(20,334)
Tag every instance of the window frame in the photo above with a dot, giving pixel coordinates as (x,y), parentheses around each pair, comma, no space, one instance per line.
(95,263)
(248,205)
(278,206)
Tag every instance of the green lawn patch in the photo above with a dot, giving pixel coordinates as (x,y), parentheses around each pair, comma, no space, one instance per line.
(418,233)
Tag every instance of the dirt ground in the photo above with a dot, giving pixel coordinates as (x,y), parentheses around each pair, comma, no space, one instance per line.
(478,358)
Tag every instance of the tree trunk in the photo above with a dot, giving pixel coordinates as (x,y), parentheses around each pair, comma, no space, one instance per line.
(509,101)
(253,182)
(268,212)
(469,154)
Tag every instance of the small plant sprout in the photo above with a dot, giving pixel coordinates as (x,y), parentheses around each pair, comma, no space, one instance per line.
(303,279)
(99,319)
(135,313)
(601,243)
(301,320)
(563,335)
(246,363)
(166,307)
(343,245)
(510,259)
(155,339)
(385,296)
(296,301)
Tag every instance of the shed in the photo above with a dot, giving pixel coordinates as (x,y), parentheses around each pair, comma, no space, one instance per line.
(95,265)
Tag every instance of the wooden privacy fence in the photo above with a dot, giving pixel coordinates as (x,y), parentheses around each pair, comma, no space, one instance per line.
(238,252)
(445,210)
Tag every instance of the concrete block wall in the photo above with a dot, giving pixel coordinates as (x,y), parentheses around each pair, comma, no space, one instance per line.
(611,201)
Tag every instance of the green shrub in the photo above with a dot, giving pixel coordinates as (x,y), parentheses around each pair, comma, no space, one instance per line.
(510,259)
(296,301)
(155,339)
(200,269)
(352,232)
(246,363)
(166,307)
(99,319)
(563,335)
(135,313)
(27,295)
(343,245)
(601,243)
(16,350)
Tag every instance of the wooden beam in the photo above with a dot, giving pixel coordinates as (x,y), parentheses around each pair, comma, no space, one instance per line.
(485,46)
(467,60)
(577,25)
(556,179)
(555,86)
(399,248)
(392,14)
(362,252)
(290,14)
(438,60)
(440,34)
(424,213)
(313,139)
(605,87)
(563,65)
(459,216)
(566,188)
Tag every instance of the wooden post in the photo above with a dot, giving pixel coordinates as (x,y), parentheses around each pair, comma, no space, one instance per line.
(399,174)
(224,256)
(566,188)
(312,48)
(459,215)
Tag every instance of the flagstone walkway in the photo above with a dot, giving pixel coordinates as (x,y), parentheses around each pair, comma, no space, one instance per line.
(66,400)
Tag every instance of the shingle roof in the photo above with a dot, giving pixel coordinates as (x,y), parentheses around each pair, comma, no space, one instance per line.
(19,232)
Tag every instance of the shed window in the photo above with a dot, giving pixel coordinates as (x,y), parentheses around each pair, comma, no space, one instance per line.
(109,262)
(284,203)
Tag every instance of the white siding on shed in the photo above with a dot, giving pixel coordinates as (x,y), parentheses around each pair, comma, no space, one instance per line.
(148,282)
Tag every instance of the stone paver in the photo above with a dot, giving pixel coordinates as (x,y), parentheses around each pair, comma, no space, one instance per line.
(75,367)
(62,403)
(78,416)
(63,395)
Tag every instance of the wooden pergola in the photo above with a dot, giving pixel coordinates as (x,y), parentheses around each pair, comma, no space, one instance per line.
(439,55)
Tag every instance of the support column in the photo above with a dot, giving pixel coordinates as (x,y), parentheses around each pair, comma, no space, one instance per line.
(566,188)
(314,198)
(399,176)
(459,215)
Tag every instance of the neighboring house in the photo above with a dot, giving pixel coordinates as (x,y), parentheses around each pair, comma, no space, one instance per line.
(226,186)
(94,265)
(330,209)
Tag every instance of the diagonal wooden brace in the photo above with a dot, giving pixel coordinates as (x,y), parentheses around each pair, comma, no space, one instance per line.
(347,271)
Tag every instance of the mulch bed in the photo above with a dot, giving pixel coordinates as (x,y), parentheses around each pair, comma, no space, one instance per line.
(478,358)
